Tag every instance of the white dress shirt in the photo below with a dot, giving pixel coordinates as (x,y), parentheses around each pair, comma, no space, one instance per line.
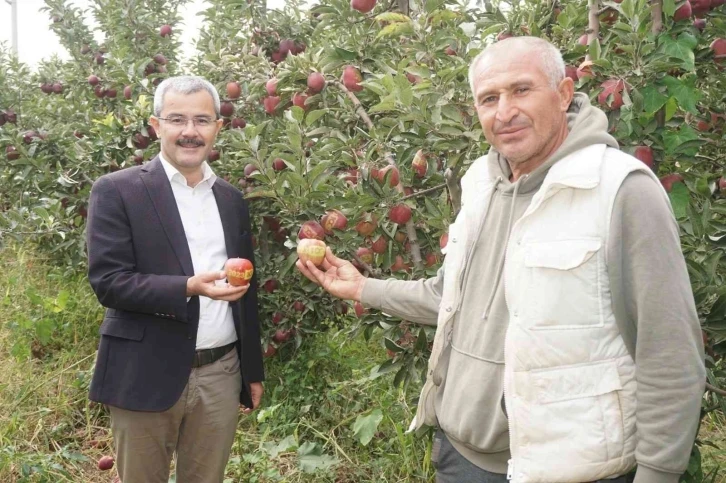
(205,237)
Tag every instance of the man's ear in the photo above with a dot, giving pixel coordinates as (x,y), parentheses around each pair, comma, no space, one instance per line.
(566,89)
(154,122)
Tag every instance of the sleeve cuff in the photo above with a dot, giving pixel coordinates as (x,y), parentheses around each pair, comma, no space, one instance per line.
(373,293)
(645,474)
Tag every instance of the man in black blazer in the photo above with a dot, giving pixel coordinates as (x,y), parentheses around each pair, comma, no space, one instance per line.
(180,348)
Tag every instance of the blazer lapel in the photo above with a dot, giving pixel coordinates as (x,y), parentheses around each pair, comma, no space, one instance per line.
(162,197)
(230,219)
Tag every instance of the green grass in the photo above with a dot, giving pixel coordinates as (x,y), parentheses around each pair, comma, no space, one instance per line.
(50,432)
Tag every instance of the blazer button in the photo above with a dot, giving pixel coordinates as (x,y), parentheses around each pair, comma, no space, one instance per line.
(448,309)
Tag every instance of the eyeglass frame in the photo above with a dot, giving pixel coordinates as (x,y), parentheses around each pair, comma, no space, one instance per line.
(194,121)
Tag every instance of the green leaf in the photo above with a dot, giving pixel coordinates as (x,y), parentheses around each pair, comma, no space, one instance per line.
(395,29)
(681,49)
(314,116)
(680,198)
(392,17)
(365,427)
(653,100)
(312,458)
(673,139)
(346,54)
(671,108)
(594,49)
(687,96)
(669,7)
(392,346)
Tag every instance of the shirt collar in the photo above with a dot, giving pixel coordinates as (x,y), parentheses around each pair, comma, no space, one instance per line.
(172,173)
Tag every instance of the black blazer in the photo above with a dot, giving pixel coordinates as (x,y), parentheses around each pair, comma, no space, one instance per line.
(138,266)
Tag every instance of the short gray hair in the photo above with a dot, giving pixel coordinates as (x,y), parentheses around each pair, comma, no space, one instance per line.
(185,84)
(550,57)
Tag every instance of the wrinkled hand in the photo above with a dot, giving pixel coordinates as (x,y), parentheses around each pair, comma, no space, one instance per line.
(338,277)
(256,391)
(205,284)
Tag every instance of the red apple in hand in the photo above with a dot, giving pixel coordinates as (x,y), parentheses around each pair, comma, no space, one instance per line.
(239,271)
(311,249)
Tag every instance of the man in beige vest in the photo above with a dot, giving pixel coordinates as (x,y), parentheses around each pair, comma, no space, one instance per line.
(568,348)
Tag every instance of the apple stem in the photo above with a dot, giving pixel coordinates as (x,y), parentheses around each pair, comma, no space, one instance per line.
(656,14)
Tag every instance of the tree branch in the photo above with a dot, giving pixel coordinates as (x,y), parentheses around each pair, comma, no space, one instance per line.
(656,14)
(424,192)
(593,22)
(410,228)
(375,273)
(452,183)
(715,390)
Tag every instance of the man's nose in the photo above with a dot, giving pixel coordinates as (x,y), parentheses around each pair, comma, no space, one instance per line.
(190,129)
(506,110)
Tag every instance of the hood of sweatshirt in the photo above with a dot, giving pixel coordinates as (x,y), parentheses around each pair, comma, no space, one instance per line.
(587,125)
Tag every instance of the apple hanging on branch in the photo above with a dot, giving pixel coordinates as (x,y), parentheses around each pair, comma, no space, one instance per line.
(239,271)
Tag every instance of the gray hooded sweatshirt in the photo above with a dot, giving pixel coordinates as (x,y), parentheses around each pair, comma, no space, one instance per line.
(652,302)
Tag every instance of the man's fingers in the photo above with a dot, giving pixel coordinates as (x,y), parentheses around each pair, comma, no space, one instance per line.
(315,272)
(305,271)
(212,276)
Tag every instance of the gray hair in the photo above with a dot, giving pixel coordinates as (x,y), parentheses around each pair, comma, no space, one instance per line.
(549,57)
(185,84)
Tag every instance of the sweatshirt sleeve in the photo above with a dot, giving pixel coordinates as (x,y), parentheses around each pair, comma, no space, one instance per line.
(417,301)
(656,313)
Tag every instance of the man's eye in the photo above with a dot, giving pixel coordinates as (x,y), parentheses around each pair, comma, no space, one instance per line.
(203,122)
(522,90)
(177,121)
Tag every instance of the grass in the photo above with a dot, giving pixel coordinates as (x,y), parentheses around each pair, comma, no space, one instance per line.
(324,417)
(321,403)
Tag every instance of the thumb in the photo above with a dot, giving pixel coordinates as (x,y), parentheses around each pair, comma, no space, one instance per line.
(211,276)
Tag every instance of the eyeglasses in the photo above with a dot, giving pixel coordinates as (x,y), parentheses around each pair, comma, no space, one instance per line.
(181,121)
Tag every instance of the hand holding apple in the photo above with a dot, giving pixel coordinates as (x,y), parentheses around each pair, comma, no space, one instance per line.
(337,276)
(205,284)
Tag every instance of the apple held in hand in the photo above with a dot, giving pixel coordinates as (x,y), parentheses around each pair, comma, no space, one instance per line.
(311,249)
(239,271)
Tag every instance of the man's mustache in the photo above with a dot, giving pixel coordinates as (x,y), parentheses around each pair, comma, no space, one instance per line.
(189,142)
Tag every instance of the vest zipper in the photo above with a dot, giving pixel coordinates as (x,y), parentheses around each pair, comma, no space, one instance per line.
(512,447)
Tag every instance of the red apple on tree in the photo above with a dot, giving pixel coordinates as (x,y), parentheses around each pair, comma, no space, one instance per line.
(239,271)
(718,47)
(380,175)
(11,152)
(670,179)
(311,249)
(684,12)
(233,90)
(271,285)
(213,155)
(250,168)
(316,82)
(614,88)
(270,351)
(270,104)
(363,6)
(333,220)
(165,30)
(401,214)
(352,78)
(226,109)
(420,164)
(571,72)
(367,224)
(277,318)
(722,184)
(645,154)
(360,311)
(238,123)
(365,254)
(584,70)
(311,229)
(271,87)
(93,80)
(278,164)
(379,245)
(298,306)
(127,92)
(299,99)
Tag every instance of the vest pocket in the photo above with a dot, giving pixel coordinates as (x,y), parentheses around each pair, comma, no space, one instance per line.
(571,414)
(563,284)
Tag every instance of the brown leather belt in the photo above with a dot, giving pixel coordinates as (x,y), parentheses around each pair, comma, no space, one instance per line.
(207,356)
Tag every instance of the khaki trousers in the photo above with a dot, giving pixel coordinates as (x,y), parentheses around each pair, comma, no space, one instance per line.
(199,428)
